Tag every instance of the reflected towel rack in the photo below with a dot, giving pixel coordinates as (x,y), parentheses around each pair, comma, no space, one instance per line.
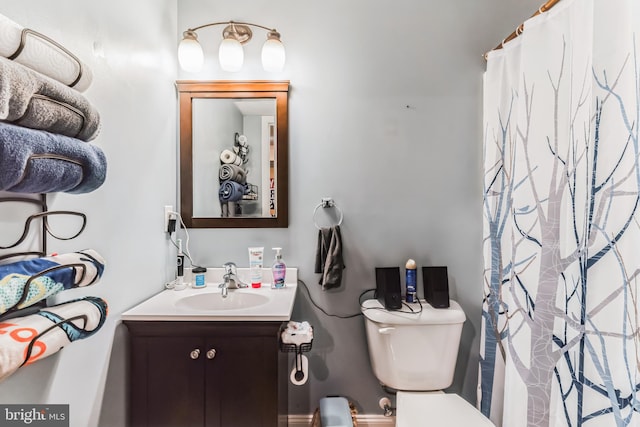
(327,202)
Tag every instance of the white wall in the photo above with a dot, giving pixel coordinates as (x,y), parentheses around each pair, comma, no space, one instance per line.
(130,47)
(385,117)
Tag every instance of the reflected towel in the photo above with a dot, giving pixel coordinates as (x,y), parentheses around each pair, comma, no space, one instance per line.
(32,100)
(14,277)
(34,161)
(230,158)
(329,261)
(233,173)
(27,339)
(231,191)
(42,56)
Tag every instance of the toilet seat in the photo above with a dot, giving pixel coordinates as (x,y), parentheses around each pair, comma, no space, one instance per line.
(428,409)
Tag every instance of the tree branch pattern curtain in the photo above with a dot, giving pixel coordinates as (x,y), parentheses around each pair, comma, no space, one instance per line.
(561,239)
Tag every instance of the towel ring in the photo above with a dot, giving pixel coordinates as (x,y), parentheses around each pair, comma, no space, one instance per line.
(327,202)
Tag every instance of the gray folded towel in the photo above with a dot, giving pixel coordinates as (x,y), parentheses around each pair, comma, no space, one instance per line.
(329,261)
(232,172)
(33,100)
(35,161)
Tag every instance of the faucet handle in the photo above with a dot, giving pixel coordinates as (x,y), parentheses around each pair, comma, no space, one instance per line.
(230,268)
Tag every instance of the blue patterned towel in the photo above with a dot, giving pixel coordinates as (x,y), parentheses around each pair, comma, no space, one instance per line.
(34,161)
(14,277)
(24,340)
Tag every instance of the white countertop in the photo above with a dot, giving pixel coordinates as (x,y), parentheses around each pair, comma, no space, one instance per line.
(169,305)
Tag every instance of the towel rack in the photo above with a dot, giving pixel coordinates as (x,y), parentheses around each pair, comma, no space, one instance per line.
(44,214)
(327,202)
(23,41)
(45,230)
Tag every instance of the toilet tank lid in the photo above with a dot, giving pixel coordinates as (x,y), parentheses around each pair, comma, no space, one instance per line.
(375,311)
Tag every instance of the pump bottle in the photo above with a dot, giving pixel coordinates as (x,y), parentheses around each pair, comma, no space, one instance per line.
(279,270)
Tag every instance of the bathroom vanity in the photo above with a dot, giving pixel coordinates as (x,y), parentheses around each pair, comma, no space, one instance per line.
(198,359)
(207,374)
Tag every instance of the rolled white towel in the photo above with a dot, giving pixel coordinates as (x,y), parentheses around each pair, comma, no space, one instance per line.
(297,333)
(230,158)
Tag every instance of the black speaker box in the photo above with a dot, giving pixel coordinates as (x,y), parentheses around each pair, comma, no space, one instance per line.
(435,281)
(388,288)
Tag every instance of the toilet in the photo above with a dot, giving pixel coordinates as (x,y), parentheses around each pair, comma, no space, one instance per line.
(414,354)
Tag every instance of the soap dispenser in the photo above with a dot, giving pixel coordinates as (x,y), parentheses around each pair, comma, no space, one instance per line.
(279,270)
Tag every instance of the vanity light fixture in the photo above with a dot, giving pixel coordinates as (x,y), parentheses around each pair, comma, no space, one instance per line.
(230,52)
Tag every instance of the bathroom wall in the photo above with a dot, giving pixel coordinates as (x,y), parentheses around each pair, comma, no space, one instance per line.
(385,117)
(130,48)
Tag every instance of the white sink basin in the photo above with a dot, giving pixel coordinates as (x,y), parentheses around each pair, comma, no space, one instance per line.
(246,304)
(235,300)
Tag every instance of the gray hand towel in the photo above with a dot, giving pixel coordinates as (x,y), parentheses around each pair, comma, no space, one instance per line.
(329,261)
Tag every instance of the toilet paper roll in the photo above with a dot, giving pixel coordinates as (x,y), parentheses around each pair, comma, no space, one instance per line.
(230,158)
(303,374)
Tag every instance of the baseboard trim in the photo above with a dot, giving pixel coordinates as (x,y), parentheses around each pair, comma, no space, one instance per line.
(363,420)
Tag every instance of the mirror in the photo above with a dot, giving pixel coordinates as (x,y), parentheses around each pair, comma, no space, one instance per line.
(233,153)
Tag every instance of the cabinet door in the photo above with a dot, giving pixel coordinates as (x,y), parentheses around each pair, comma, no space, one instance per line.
(242,383)
(167,382)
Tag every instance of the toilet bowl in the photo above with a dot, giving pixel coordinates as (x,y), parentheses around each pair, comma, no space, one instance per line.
(437,409)
(415,353)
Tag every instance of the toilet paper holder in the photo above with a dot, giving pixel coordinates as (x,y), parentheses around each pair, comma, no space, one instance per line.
(298,349)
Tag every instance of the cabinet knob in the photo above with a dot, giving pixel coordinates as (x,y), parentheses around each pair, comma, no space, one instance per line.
(195,353)
(211,353)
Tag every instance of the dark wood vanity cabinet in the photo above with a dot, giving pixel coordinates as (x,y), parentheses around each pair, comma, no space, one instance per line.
(206,374)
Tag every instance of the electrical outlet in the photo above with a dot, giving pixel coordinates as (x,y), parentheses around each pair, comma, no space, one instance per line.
(168,209)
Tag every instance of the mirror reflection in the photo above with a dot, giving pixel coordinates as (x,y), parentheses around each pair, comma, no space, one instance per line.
(234,159)
(233,154)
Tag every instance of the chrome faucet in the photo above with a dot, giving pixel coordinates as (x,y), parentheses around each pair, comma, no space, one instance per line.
(231,279)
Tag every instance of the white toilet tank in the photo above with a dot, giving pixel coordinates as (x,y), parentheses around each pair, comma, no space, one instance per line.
(413,351)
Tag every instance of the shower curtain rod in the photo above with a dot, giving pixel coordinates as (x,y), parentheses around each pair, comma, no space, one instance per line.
(545,7)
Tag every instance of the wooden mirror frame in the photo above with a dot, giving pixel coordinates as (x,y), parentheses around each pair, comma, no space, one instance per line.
(192,89)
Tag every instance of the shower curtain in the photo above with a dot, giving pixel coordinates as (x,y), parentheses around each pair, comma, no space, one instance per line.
(561,235)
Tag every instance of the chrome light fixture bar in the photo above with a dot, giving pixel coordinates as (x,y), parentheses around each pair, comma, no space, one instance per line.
(230,52)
